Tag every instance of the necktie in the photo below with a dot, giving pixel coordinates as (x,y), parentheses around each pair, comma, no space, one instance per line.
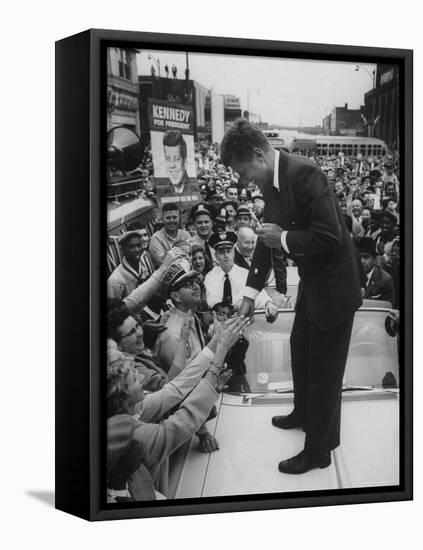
(279,267)
(227,290)
(208,252)
(199,331)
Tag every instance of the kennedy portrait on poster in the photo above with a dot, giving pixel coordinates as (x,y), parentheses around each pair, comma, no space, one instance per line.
(172,147)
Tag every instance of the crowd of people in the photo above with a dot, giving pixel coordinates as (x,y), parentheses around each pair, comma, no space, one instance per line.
(174,337)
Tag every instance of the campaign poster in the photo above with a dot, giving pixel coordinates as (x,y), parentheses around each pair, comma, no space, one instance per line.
(172,148)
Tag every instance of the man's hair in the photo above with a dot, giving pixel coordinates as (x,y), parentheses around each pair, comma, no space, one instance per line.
(225,303)
(115,319)
(169,207)
(172,138)
(240,140)
(245,231)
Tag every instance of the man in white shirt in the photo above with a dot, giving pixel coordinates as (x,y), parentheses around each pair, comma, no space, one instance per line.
(203,222)
(226,282)
(164,239)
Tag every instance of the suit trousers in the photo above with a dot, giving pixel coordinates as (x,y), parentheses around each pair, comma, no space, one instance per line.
(318,364)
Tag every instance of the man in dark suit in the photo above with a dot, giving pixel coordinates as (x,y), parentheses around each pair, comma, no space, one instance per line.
(244,247)
(175,156)
(378,284)
(302,216)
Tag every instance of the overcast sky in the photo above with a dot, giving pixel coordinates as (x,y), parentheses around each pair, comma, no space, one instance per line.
(287,92)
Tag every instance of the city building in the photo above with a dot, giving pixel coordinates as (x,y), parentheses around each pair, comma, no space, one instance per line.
(326,123)
(231,110)
(344,122)
(186,92)
(122,89)
(382,106)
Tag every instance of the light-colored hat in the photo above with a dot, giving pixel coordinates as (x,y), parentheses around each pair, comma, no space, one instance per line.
(128,235)
(176,274)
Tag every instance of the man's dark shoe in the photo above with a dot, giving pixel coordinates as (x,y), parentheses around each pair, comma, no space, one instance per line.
(303,462)
(287,422)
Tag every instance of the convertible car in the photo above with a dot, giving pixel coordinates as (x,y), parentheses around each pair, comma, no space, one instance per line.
(251,448)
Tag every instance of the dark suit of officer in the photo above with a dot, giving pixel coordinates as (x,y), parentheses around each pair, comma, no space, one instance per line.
(240,260)
(328,296)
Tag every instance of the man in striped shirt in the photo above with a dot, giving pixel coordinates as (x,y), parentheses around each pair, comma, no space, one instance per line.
(135,268)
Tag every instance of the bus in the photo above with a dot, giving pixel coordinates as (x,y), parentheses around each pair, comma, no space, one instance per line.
(305,144)
(350,146)
(291,142)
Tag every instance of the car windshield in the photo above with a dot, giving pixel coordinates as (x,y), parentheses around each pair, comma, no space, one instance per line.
(372,359)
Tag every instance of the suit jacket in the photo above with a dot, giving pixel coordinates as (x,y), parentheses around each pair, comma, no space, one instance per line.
(240,260)
(189,188)
(381,286)
(317,239)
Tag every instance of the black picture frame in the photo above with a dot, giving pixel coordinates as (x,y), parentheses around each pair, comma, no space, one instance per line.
(80,264)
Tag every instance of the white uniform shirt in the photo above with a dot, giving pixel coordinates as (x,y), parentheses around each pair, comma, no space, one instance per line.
(214,282)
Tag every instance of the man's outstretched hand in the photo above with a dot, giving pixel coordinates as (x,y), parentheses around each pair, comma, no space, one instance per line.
(271,312)
(247,307)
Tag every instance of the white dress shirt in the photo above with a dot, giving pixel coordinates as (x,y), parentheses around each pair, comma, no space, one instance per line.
(215,279)
(250,292)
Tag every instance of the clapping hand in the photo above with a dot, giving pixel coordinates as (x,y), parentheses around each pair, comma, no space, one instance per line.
(222,379)
(232,329)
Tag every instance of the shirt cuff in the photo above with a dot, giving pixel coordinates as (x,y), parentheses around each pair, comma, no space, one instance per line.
(283,241)
(250,292)
(208,353)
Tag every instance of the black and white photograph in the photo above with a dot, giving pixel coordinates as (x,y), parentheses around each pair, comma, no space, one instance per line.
(254,286)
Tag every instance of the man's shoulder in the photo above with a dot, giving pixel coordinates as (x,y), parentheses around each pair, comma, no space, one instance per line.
(237,269)
(382,275)
(191,187)
(117,275)
(237,256)
(157,235)
(298,165)
(184,234)
(212,274)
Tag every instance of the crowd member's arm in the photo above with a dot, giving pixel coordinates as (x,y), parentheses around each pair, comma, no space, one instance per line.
(158,441)
(157,251)
(114,290)
(156,405)
(143,294)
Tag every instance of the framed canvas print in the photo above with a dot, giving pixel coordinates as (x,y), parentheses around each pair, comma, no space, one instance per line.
(234,274)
